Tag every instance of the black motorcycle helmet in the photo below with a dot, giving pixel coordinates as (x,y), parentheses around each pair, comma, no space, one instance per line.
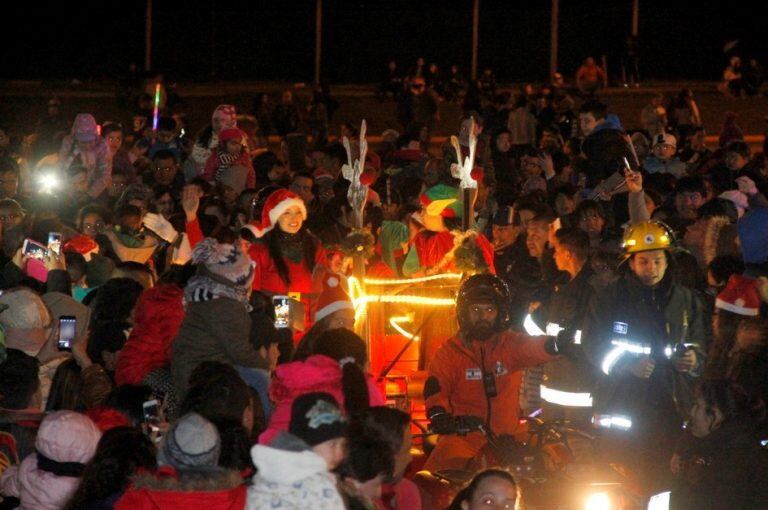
(484,288)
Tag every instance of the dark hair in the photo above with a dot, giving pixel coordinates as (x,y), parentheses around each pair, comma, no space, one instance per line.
(165,123)
(309,246)
(732,400)
(387,423)
(690,184)
(73,170)
(368,456)
(115,300)
(129,399)
(336,151)
(111,127)
(109,336)
(127,210)
(586,206)
(216,392)
(576,241)
(8,165)
(76,264)
(468,491)
(66,388)
(165,154)
(596,108)
(340,344)
(102,211)
(740,147)
(18,379)
(723,266)
(121,452)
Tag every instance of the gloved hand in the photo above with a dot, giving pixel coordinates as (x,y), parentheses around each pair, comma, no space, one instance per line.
(468,423)
(443,423)
(160,226)
(563,343)
(746,185)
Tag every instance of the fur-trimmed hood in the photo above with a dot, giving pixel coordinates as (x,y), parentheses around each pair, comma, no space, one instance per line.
(167,479)
(719,239)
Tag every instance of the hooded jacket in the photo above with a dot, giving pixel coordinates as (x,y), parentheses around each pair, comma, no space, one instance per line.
(63,436)
(291,380)
(217,490)
(291,476)
(158,317)
(604,147)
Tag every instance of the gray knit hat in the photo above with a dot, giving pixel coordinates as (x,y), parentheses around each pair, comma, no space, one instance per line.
(192,444)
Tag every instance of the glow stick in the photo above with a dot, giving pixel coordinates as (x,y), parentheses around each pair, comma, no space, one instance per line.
(156,111)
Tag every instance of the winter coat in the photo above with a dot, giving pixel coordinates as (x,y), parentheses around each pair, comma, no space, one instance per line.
(455,381)
(291,380)
(158,317)
(672,166)
(291,476)
(212,167)
(217,490)
(726,469)
(215,330)
(63,436)
(652,317)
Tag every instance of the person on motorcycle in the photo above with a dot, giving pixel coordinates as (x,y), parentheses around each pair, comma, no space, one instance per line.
(475,376)
(647,336)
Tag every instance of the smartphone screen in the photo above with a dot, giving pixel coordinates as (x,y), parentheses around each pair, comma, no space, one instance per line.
(151,409)
(67,332)
(54,242)
(34,249)
(282,311)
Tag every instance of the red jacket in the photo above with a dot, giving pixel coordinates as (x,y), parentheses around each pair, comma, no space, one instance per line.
(164,490)
(460,390)
(212,166)
(158,316)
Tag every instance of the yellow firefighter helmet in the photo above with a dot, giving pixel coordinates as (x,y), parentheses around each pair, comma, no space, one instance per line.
(646,236)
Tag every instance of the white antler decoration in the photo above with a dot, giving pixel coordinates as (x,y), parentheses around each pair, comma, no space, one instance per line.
(358,192)
(463,170)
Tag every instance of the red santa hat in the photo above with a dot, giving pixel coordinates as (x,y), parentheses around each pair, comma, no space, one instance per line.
(83,245)
(332,299)
(739,296)
(232,133)
(277,203)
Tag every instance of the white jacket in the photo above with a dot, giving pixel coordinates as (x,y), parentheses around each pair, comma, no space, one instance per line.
(291,479)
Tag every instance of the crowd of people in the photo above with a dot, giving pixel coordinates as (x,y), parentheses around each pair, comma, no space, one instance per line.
(177,329)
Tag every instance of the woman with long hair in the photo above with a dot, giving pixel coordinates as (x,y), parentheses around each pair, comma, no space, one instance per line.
(492,488)
(121,452)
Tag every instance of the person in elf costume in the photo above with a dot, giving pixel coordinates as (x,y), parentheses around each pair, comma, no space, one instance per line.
(435,249)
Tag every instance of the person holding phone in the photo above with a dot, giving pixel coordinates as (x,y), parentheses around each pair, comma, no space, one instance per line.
(216,326)
(285,253)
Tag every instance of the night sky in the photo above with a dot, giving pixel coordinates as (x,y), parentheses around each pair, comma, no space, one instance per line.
(259,40)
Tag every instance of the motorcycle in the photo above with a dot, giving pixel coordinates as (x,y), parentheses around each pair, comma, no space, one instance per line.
(557,467)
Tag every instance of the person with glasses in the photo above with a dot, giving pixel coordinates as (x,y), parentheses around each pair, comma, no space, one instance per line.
(93,220)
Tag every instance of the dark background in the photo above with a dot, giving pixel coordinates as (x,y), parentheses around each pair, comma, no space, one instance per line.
(261,40)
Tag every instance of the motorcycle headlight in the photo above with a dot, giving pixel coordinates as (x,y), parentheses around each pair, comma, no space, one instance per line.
(598,501)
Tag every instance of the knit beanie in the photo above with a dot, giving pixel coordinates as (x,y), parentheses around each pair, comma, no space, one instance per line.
(225,261)
(316,418)
(25,319)
(85,128)
(193,443)
(235,177)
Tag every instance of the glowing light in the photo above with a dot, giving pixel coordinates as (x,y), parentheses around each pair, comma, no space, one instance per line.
(360,298)
(612,422)
(156,111)
(395,323)
(565,398)
(577,337)
(531,327)
(409,281)
(553,329)
(598,501)
(659,501)
(48,183)
(633,347)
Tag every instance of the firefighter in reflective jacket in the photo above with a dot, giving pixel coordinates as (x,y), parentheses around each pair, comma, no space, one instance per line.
(647,335)
(475,376)
(568,380)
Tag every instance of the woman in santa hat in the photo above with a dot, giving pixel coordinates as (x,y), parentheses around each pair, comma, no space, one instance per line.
(286,254)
